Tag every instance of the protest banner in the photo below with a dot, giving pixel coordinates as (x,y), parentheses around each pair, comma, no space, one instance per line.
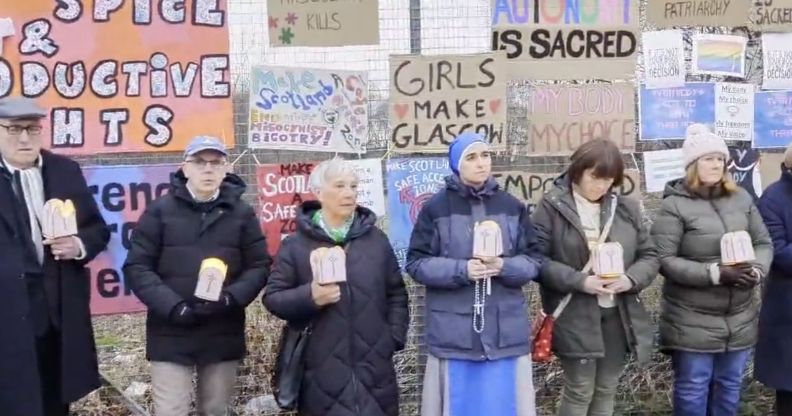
(283,187)
(744,169)
(435,98)
(777,61)
(670,13)
(665,113)
(308,109)
(772,15)
(664,59)
(529,187)
(734,111)
(409,184)
(563,117)
(770,168)
(661,166)
(323,23)
(566,40)
(772,119)
(719,55)
(122,75)
(122,193)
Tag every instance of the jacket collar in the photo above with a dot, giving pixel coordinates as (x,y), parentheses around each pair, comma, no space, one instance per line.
(562,199)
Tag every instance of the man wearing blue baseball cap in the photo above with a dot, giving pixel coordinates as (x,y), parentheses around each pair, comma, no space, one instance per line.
(47,351)
(188,328)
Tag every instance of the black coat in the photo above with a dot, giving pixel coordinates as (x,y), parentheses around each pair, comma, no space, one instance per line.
(349,367)
(173,236)
(19,380)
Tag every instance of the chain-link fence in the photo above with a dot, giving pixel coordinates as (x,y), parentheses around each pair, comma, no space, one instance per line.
(406,26)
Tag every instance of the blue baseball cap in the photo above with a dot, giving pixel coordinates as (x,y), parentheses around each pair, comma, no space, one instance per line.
(202,143)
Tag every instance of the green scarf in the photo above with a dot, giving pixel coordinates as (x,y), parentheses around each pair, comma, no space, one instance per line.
(337,234)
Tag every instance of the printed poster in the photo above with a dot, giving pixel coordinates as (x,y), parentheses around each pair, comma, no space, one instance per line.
(564,116)
(745,170)
(122,193)
(664,59)
(323,23)
(670,13)
(308,109)
(666,113)
(734,111)
(719,55)
(410,183)
(427,112)
(371,188)
(772,119)
(777,60)
(662,166)
(117,81)
(544,39)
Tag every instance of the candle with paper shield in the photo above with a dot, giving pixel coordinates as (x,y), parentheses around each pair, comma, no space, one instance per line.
(58,219)
(608,260)
(210,279)
(736,248)
(328,265)
(487,239)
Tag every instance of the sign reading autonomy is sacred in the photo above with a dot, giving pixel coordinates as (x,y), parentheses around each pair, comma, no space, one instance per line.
(122,75)
(567,39)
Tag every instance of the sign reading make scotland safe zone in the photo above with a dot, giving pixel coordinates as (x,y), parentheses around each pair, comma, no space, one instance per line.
(121,75)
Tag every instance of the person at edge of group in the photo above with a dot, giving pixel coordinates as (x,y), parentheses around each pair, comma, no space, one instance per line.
(708,320)
(203,216)
(773,358)
(479,357)
(356,325)
(47,354)
(604,320)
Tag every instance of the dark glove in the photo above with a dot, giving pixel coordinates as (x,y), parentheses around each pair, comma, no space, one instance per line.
(183,315)
(224,305)
(740,275)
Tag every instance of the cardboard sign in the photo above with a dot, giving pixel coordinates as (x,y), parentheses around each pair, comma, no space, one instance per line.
(487,239)
(772,15)
(608,260)
(670,13)
(323,23)
(58,219)
(210,279)
(737,247)
(328,265)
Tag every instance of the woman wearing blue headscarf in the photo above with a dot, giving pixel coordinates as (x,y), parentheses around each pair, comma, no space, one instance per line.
(477,325)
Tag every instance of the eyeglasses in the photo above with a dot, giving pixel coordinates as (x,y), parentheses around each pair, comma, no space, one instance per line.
(214,164)
(14,130)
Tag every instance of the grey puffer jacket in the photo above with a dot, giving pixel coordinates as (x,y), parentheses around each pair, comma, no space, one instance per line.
(698,315)
(578,332)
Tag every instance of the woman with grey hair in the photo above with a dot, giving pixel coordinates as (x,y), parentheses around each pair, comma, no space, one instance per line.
(358,318)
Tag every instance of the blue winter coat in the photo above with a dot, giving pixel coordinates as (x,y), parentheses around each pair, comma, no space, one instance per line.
(773,362)
(440,246)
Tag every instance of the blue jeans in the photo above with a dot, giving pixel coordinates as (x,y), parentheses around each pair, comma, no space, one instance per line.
(708,384)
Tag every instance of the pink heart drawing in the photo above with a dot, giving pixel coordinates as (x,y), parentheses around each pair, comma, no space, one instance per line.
(494,105)
(401,110)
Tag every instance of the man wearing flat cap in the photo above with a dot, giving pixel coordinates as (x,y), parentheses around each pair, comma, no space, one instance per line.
(196,322)
(47,350)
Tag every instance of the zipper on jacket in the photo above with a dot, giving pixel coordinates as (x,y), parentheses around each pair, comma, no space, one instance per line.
(731,290)
(351,350)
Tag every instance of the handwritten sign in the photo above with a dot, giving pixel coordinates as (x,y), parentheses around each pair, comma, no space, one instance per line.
(410,183)
(664,59)
(773,119)
(281,190)
(667,112)
(435,98)
(719,55)
(777,61)
(734,111)
(308,109)
(744,169)
(564,40)
(122,194)
(122,75)
(669,13)
(772,15)
(325,23)
(563,117)
(371,191)
(530,187)
(661,166)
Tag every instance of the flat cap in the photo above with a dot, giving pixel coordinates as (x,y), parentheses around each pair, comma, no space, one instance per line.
(19,107)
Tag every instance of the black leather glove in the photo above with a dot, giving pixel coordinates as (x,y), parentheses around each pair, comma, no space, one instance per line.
(224,305)
(183,315)
(738,276)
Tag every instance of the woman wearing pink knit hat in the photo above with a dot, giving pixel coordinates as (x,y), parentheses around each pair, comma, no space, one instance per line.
(708,322)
